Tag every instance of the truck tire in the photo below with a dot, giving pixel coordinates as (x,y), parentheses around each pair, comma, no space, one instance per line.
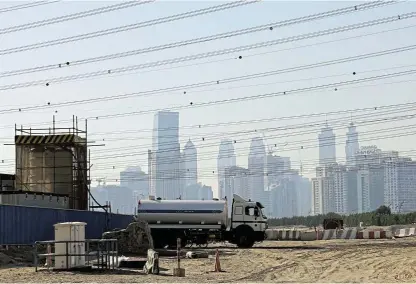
(244,237)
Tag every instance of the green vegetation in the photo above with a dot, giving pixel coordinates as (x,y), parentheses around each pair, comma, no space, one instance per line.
(380,217)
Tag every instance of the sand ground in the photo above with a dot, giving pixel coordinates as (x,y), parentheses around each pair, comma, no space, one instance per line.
(382,261)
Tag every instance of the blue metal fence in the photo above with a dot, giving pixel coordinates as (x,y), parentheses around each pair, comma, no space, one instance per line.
(25,225)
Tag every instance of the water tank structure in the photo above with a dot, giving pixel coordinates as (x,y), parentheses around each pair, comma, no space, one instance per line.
(53,162)
(70,231)
(191,212)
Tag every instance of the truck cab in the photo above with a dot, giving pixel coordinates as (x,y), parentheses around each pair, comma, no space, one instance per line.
(248,222)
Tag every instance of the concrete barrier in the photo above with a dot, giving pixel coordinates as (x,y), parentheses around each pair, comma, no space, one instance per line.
(283,235)
(375,234)
(346,234)
(308,236)
(405,232)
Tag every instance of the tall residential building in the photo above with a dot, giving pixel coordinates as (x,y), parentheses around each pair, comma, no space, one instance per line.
(352,192)
(226,159)
(370,164)
(236,181)
(283,197)
(329,190)
(165,155)
(304,196)
(135,179)
(256,168)
(351,145)
(400,184)
(276,168)
(327,152)
(189,164)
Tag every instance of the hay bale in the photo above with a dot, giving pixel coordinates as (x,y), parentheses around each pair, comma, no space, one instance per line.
(135,239)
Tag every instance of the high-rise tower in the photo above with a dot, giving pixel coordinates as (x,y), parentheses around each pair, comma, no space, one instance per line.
(190,164)
(166,155)
(351,145)
(226,159)
(256,168)
(327,152)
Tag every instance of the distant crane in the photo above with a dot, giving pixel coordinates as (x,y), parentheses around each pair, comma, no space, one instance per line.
(270,150)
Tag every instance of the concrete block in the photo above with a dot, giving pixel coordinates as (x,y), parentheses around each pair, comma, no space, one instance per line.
(308,236)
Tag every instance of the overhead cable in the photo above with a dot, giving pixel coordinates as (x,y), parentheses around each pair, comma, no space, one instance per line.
(230,34)
(26,6)
(206,83)
(234,100)
(56,80)
(125,28)
(74,16)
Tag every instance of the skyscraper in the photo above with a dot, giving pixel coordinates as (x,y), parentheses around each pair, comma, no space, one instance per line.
(226,159)
(256,168)
(166,156)
(351,145)
(190,164)
(327,152)
(329,190)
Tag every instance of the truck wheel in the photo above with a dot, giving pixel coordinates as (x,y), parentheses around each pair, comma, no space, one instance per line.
(245,241)
(244,237)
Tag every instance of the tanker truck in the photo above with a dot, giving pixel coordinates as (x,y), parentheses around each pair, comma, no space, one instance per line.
(202,221)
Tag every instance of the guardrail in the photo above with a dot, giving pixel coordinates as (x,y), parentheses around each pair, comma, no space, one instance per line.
(99,254)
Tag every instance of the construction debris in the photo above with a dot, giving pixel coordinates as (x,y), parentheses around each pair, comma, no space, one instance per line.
(197,254)
(16,255)
(135,239)
(152,264)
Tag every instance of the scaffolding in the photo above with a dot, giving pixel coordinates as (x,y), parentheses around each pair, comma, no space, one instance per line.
(54,161)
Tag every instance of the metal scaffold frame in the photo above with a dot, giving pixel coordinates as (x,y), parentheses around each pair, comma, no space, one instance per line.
(61,162)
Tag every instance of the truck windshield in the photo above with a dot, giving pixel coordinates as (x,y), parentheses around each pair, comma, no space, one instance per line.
(263,214)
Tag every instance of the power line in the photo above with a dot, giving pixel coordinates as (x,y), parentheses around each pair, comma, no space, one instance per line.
(213,82)
(368,112)
(302,143)
(26,6)
(210,103)
(74,16)
(258,131)
(209,155)
(56,80)
(124,28)
(245,56)
(265,27)
(266,95)
(410,132)
(304,164)
(244,122)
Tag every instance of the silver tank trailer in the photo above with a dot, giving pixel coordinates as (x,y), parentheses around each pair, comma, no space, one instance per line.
(191,212)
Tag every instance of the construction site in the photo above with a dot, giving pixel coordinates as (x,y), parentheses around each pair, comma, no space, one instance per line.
(382,261)
(74,244)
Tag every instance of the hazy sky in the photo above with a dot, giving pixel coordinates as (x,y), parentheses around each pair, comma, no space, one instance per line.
(280,56)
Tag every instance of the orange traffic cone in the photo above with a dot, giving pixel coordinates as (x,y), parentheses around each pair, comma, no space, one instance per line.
(217,262)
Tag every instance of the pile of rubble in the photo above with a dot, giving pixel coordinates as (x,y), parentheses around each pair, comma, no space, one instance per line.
(14,255)
(135,239)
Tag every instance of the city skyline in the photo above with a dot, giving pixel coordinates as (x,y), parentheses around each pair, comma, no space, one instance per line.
(124,134)
(219,97)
